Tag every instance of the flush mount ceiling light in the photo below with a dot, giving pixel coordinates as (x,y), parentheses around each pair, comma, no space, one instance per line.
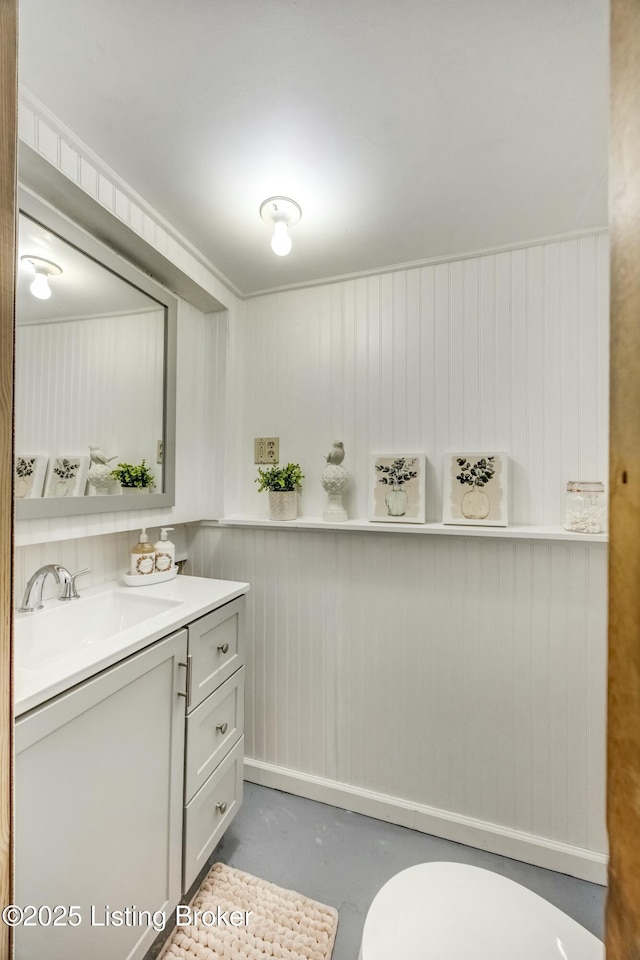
(44,269)
(283,213)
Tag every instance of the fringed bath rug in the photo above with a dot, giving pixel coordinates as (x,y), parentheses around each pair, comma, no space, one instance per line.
(235,916)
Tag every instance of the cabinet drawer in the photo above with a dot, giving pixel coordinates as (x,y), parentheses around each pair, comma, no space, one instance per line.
(212,728)
(216,649)
(211,811)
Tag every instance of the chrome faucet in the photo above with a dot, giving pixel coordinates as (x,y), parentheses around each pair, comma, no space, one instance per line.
(32,599)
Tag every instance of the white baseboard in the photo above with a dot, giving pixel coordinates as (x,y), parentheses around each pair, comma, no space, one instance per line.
(540,851)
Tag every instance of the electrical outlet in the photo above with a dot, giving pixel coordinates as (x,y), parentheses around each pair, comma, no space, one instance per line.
(160,452)
(266,450)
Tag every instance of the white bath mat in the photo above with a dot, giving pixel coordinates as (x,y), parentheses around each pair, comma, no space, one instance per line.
(236,916)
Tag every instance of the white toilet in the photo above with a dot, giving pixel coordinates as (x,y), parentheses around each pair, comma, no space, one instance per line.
(453,911)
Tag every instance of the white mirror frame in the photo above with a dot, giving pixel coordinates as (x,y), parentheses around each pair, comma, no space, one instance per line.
(54,221)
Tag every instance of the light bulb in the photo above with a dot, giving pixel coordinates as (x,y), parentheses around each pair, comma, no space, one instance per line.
(281,241)
(40,286)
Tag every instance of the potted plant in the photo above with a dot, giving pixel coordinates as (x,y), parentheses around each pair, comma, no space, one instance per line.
(283,484)
(134,478)
(395,476)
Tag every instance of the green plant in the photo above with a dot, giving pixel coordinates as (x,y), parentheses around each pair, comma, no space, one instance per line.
(280,479)
(130,475)
(477,475)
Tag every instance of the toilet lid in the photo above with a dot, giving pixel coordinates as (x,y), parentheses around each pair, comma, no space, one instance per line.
(453,911)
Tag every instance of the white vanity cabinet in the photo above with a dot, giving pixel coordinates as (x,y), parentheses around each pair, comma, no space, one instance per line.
(99,796)
(214,736)
(125,783)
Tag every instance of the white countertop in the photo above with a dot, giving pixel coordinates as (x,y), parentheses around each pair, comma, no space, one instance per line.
(35,682)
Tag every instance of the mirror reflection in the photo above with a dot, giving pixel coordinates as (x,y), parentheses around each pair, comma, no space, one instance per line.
(90,363)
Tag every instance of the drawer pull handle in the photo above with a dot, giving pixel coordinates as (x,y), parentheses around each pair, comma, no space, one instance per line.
(187,693)
(222,727)
(223,647)
(222,807)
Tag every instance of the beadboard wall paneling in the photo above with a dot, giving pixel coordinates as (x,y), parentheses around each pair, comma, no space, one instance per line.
(106,557)
(507,351)
(216,402)
(198,395)
(291,711)
(462,676)
(96,380)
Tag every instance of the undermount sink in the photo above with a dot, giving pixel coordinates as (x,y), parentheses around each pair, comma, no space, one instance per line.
(73,640)
(73,626)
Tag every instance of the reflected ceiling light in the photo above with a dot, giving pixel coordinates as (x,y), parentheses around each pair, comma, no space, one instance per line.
(283,213)
(44,269)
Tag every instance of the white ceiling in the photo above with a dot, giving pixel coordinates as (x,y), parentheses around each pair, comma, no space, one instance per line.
(405,130)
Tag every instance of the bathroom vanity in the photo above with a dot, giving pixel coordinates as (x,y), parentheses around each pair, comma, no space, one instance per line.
(129,754)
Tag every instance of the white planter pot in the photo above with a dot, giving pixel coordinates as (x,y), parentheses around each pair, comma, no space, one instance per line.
(283,505)
(129,490)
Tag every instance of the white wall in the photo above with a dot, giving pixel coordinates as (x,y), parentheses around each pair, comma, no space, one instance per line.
(452,684)
(506,352)
(199,335)
(95,380)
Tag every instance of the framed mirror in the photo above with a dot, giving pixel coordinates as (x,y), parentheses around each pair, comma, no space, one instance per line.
(95,375)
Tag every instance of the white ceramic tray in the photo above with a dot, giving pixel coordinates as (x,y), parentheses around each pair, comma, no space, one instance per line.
(145,580)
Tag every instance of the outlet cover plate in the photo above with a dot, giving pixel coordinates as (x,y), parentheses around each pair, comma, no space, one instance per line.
(266,450)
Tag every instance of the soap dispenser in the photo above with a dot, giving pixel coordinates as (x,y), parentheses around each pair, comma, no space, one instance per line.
(165,552)
(143,556)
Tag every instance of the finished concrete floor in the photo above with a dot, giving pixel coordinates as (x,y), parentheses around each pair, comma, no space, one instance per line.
(343,859)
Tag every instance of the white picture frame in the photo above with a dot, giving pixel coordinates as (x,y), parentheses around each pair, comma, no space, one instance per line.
(67,476)
(397,487)
(29,472)
(476,489)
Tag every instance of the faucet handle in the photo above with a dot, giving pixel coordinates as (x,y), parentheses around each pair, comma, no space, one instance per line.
(70,591)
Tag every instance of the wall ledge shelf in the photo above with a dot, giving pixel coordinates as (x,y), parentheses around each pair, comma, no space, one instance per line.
(515,532)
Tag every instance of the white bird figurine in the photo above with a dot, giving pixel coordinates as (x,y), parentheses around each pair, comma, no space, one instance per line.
(336,454)
(97,456)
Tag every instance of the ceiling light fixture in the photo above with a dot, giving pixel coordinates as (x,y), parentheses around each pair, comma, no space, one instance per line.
(44,269)
(283,213)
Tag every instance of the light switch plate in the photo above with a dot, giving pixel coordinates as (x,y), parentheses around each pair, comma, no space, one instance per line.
(160,452)
(266,450)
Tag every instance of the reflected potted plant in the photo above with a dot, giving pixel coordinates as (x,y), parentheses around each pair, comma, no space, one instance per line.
(134,478)
(283,484)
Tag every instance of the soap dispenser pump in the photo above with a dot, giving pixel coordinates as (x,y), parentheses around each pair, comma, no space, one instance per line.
(165,552)
(142,556)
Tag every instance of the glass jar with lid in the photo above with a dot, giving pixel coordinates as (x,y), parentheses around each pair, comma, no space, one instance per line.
(585,507)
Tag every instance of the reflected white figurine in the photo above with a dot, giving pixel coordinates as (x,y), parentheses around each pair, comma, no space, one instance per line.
(335,480)
(99,475)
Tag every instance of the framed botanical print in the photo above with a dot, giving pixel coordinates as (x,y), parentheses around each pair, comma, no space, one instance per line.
(397,488)
(29,472)
(67,476)
(476,489)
